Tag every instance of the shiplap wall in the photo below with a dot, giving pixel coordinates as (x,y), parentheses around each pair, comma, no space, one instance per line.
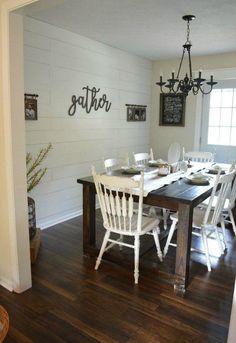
(58,64)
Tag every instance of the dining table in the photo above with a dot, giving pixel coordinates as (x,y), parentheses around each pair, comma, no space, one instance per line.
(178,195)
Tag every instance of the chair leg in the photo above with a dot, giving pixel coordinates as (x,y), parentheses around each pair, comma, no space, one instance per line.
(103,247)
(232,221)
(152,212)
(219,240)
(222,223)
(170,235)
(165,217)
(157,242)
(204,239)
(136,258)
(121,240)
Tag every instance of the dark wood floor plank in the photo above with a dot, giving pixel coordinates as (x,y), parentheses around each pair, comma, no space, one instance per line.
(71,302)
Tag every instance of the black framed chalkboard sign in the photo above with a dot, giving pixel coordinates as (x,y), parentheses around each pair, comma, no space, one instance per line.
(172,109)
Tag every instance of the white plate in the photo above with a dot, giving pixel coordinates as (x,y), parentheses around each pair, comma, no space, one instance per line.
(174,153)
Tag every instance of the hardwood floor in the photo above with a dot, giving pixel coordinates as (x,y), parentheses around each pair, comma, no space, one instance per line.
(70,302)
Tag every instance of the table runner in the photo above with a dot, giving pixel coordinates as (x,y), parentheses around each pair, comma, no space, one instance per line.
(154,181)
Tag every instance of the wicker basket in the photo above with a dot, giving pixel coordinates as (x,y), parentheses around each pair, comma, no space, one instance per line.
(4,323)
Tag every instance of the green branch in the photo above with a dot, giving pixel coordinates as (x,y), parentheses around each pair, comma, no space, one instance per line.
(35,175)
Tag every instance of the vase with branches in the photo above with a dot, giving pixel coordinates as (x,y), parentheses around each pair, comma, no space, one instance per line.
(34,173)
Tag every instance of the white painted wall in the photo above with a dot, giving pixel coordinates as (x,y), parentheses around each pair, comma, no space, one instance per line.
(187,136)
(58,64)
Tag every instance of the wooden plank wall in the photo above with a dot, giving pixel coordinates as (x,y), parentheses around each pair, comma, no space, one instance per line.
(58,63)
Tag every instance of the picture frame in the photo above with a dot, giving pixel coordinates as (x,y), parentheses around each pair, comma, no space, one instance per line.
(31,109)
(136,112)
(172,109)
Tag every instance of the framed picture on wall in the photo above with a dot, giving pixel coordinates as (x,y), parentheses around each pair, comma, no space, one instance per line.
(31,110)
(172,109)
(136,112)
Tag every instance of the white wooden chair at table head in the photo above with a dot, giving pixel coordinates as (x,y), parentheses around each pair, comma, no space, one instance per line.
(110,164)
(199,156)
(116,199)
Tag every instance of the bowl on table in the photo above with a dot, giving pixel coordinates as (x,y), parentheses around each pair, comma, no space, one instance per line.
(132,169)
(198,179)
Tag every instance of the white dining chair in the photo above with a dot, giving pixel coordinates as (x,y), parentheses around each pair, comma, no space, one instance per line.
(141,158)
(205,220)
(199,156)
(228,216)
(110,164)
(229,204)
(116,199)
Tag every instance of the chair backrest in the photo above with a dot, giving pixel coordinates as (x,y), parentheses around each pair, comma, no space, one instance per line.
(224,182)
(199,156)
(116,199)
(110,164)
(232,194)
(233,166)
(141,158)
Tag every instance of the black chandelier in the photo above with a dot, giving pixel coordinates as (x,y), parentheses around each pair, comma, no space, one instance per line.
(188,83)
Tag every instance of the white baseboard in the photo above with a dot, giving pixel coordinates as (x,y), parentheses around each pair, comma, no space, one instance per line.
(44,224)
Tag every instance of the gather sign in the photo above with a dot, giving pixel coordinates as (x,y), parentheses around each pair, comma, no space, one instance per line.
(89,101)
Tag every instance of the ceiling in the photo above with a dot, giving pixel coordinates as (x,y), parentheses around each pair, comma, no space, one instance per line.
(149,28)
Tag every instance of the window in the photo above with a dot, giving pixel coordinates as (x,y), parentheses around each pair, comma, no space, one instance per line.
(222,117)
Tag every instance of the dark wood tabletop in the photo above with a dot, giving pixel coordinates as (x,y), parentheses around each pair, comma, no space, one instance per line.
(180,196)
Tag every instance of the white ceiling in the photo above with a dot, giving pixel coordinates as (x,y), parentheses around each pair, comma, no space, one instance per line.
(149,28)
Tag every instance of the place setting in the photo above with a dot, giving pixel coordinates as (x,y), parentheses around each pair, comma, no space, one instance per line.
(199,178)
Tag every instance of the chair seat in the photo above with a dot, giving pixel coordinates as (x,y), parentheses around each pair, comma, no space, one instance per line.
(226,204)
(148,223)
(198,216)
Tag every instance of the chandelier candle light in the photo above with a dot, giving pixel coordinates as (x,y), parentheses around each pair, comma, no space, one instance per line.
(188,83)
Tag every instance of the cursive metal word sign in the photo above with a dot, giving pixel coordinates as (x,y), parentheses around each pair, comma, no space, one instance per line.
(89,101)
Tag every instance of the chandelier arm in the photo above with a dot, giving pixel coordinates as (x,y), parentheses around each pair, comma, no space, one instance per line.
(195,90)
(181,61)
(173,90)
(205,93)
